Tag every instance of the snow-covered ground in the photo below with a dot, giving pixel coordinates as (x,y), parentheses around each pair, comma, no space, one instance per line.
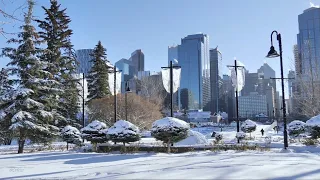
(200,165)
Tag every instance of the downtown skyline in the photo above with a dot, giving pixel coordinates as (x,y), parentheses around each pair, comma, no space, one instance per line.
(233,38)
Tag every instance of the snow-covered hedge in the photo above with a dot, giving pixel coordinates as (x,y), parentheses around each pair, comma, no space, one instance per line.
(170,130)
(95,132)
(240,135)
(314,124)
(296,127)
(248,126)
(194,138)
(71,135)
(218,137)
(124,131)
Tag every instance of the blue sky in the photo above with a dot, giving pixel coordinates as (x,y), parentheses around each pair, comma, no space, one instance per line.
(241,29)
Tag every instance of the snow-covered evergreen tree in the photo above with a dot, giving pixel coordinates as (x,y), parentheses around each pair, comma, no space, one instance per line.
(170,130)
(124,131)
(29,118)
(60,56)
(98,76)
(71,135)
(5,122)
(95,132)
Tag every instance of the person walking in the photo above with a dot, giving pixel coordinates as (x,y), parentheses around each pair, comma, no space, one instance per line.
(262,132)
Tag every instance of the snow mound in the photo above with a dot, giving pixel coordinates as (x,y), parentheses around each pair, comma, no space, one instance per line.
(248,124)
(194,138)
(123,127)
(296,125)
(314,121)
(94,126)
(168,123)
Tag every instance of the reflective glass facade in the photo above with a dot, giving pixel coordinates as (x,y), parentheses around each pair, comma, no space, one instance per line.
(215,77)
(308,40)
(127,69)
(193,57)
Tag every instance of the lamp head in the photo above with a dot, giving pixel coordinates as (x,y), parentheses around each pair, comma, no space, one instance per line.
(272,53)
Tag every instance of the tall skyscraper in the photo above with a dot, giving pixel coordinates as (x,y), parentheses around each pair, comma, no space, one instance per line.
(172,53)
(291,85)
(227,97)
(127,69)
(137,58)
(193,57)
(215,78)
(308,41)
(84,58)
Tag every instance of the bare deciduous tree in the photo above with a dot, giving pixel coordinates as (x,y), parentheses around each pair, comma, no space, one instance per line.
(7,17)
(141,112)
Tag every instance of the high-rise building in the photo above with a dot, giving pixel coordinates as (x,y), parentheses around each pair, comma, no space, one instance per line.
(137,58)
(84,58)
(227,97)
(252,105)
(172,54)
(291,84)
(127,71)
(215,78)
(308,41)
(193,57)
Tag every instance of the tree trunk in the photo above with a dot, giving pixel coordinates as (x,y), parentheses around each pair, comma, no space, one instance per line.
(67,146)
(168,146)
(21,145)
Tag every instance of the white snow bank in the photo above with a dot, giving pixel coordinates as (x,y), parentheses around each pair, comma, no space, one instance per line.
(169,122)
(194,138)
(94,126)
(240,135)
(296,125)
(123,127)
(314,121)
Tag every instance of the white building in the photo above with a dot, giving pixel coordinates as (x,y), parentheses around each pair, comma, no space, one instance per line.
(252,104)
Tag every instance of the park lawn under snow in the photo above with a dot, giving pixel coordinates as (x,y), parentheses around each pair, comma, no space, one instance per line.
(197,165)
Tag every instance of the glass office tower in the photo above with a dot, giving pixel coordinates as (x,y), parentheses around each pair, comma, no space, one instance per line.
(193,57)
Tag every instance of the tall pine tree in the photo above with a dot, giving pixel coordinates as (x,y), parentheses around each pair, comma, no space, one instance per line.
(98,86)
(5,120)
(29,119)
(60,55)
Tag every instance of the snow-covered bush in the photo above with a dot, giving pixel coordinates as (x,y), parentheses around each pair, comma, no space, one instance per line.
(193,138)
(240,135)
(296,127)
(71,135)
(314,124)
(124,131)
(94,132)
(218,137)
(248,126)
(170,130)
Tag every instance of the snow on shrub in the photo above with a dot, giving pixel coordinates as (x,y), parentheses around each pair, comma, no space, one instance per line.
(218,137)
(170,130)
(71,135)
(193,138)
(94,132)
(314,124)
(124,131)
(248,126)
(240,135)
(296,127)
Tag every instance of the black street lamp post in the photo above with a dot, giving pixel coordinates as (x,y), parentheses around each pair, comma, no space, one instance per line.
(272,54)
(115,92)
(127,90)
(171,85)
(235,66)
